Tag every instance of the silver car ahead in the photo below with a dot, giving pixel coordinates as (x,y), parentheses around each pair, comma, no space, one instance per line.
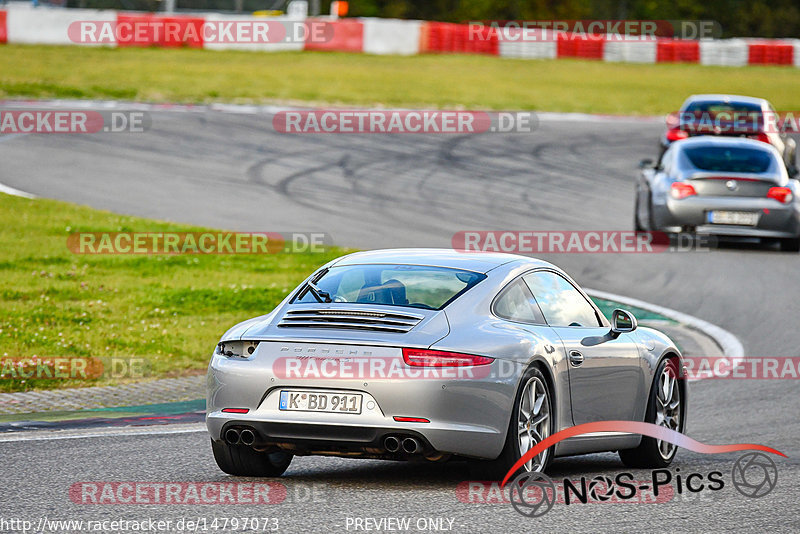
(720,186)
(427,354)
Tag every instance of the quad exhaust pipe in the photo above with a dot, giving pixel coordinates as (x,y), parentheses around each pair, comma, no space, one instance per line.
(391,443)
(232,436)
(247,437)
(412,446)
(408,444)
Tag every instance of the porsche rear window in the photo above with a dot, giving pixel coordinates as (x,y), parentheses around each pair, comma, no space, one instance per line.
(728,159)
(415,286)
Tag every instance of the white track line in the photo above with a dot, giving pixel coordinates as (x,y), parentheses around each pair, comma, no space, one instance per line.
(50,435)
(271,109)
(15,192)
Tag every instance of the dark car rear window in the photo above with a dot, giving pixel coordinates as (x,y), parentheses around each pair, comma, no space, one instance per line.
(728,159)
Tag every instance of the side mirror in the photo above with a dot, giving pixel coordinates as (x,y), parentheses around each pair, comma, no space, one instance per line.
(622,322)
(645,163)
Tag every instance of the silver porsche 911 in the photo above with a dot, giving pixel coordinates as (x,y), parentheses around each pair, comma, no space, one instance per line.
(720,186)
(430,355)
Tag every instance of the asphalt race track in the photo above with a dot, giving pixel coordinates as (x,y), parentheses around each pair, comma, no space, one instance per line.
(231,170)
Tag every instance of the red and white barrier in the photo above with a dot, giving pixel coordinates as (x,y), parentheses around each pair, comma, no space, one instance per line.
(3,34)
(589,47)
(726,52)
(444,37)
(770,52)
(677,51)
(290,43)
(348,36)
(22,23)
(622,51)
(42,25)
(391,36)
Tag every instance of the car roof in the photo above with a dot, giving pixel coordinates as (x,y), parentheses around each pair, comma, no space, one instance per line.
(724,98)
(480,262)
(733,142)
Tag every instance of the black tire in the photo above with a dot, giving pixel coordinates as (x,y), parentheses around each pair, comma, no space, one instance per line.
(791,244)
(647,454)
(637,225)
(243,461)
(496,469)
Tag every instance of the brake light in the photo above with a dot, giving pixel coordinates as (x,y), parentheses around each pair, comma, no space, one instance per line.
(760,136)
(681,190)
(781,194)
(676,134)
(235,410)
(439,358)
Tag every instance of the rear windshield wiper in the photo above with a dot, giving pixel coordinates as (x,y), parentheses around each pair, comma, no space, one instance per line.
(320,295)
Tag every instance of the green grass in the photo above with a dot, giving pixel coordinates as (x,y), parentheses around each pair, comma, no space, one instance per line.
(443,81)
(167,310)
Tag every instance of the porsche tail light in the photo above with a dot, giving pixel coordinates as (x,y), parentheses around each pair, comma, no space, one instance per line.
(439,358)
(681,190)
(676,134)
(781,194)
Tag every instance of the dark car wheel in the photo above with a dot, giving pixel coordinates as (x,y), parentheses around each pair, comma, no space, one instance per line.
(665,408)
(637,225)
(244,461)
(532,421)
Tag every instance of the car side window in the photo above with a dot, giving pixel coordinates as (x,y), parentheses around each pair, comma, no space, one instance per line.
(560,302)
(517,304)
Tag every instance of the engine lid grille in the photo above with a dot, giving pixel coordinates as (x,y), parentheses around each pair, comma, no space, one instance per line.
(349,319)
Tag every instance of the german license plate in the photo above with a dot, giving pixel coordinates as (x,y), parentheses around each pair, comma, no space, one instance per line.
(740,218)
(320,401)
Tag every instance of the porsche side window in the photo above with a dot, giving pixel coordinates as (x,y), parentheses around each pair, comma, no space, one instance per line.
(517,304)
(561,303)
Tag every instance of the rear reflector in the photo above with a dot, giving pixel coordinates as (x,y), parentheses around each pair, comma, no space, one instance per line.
(681,190)
(235,410)
(781,194)
(438,358)
(410,419)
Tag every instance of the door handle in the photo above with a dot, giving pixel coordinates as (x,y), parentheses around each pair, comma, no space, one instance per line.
(575,358)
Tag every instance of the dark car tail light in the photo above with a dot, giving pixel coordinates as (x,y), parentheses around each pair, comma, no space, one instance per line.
(439,358)
(760,136)
(681,190)
(781,194)
(676,134)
